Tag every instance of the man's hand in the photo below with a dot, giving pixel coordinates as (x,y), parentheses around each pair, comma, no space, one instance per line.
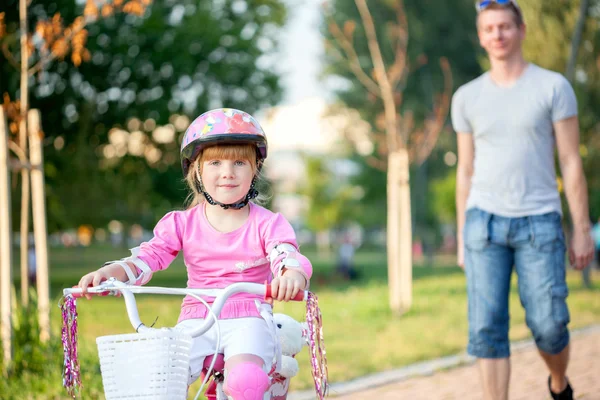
(286,286)
(581,252)
(460,254)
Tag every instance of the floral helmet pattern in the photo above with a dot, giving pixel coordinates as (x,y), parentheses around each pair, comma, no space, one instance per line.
(221,126)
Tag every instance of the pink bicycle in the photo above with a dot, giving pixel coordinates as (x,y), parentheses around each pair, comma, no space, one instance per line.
(154,363)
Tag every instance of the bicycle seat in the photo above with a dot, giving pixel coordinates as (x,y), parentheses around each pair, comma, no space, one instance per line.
(216,374)
(219,366)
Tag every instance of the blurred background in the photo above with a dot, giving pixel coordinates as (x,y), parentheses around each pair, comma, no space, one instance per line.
(117,82)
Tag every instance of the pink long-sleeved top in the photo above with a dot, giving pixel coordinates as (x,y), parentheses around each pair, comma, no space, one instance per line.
(215,259)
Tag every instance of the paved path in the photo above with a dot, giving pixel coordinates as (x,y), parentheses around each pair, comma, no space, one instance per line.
(457,377)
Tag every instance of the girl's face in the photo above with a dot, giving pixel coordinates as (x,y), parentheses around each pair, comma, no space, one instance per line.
(226,177)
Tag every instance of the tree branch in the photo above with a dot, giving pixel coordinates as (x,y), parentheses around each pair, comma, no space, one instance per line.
(387,93)
(23,161)
(377,163)
(435,124)
(399,69)
(91,13)
(51,56)
(380,142)
(353,60)
(406,127)
(576,40)
(9,56)
(378,138)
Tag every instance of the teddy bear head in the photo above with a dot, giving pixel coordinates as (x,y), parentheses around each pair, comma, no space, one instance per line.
(291,334)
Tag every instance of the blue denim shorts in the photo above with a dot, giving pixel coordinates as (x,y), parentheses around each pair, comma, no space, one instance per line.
(535,246)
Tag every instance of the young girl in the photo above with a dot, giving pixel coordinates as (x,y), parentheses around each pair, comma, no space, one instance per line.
(224,239)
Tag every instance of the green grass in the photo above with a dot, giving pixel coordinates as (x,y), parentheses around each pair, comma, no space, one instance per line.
(361,335)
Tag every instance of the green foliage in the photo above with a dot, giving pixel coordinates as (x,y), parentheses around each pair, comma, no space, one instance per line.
(180,57)
(31,357)
(373,204)
(550,25)
(443,194)
(330,202)
(30,354)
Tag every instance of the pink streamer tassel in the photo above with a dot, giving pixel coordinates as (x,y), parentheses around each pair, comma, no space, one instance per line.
(71,376)
(316,343)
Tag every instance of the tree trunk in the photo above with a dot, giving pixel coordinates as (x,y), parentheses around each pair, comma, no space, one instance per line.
(399,238)
(25,193)
(576,41)
(5,243)
(24,234)
(39,223)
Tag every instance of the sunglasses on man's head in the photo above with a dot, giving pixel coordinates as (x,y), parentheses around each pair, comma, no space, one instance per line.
(482,5)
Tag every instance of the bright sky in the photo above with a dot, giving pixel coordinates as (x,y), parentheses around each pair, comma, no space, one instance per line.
(298,122)
(301,49)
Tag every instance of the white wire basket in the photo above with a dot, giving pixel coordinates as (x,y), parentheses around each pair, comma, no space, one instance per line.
(152,365)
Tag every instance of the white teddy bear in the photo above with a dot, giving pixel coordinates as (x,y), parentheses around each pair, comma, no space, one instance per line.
(291,334)
(292,337)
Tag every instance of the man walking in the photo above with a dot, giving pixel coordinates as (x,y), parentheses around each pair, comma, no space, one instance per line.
(508,123)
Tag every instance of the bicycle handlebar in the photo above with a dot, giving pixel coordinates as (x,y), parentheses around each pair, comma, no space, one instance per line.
(113,286)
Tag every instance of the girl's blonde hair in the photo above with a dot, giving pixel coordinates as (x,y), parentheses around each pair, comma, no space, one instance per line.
(223,152)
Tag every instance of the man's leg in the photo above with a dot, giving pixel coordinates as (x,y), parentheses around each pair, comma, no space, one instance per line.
(557,364)
(488,266)
(540,266)
(495,377)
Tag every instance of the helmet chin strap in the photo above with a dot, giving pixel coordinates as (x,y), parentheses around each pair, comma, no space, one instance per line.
(252,193)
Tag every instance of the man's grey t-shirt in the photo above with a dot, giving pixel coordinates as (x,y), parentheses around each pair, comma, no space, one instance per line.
(514,173)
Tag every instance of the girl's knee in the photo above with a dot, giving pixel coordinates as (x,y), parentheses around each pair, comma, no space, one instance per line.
(246,381)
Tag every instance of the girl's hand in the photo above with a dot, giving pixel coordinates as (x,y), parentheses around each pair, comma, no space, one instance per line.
(286,286)
(99,276)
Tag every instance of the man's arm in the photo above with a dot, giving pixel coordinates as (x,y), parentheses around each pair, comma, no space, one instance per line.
(464,172)
(567,143)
